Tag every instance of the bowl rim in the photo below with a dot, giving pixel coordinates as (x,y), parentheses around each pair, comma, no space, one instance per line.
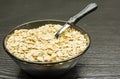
(43,63)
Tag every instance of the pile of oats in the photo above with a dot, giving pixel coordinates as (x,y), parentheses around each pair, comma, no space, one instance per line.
(40,44)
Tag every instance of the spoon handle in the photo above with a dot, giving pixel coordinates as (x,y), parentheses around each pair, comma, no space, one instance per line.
(74,19)
(87,9)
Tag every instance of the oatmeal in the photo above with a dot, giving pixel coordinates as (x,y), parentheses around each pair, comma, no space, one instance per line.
(40,45)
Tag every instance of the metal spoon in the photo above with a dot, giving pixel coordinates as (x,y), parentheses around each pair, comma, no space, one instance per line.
(75,18)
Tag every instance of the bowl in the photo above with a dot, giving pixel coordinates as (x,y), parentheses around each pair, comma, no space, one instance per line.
(51,69)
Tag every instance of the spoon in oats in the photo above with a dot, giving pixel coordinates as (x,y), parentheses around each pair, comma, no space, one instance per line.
(73,20)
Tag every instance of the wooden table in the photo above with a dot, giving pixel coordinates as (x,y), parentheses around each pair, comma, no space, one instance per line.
(101,61)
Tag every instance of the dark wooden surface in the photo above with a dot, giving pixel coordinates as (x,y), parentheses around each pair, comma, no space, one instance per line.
(101,61)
